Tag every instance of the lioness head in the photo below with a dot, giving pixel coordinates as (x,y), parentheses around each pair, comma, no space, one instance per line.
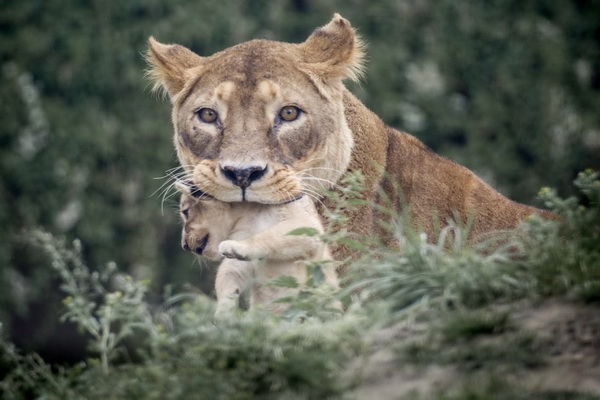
(262,121)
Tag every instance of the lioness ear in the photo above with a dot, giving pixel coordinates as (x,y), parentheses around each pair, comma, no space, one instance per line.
(168,64)
(335,50)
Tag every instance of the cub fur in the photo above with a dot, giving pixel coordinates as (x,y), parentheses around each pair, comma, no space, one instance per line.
(267,121)
(253,239)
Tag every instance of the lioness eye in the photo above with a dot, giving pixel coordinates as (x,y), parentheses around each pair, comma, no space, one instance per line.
(207,115)
(289,113)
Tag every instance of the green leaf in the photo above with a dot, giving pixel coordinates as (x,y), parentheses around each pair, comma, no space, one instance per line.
(358,202)
(352,243)
(304,231)
(286,299)
(284,281)
(316,274)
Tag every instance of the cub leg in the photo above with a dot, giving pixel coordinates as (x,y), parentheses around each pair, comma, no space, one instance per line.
(233,277)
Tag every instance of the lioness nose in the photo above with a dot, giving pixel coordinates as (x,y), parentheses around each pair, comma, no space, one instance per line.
(243,177)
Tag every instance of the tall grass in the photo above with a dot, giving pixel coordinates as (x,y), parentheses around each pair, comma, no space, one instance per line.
(541,258)
(423,278)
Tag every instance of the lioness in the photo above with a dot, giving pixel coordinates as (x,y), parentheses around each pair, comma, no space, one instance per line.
(253,238)
(267,121)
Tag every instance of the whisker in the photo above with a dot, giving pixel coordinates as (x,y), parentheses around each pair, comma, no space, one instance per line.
(311,194)
(175,171)
(168,182)
(319,190)
(170,175)
(288,196)
(311,191)
(315,160)
(167,189)
(320,180)
(166,196)
(323,168)
(196,259)
(309,174)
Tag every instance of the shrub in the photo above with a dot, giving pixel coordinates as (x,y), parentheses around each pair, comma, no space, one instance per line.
(182,351)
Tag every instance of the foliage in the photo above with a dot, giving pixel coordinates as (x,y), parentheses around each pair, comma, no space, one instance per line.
(469,325)
(314,299)
(108,316)
(184,353)
(509,89)
(566,257)
(82,139)
(29,374)
(421,278)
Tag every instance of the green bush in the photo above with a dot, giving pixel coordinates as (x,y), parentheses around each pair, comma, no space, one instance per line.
(565,257)
(182,351)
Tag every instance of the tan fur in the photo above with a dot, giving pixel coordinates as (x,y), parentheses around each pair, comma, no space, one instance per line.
(336,133)
(253,239)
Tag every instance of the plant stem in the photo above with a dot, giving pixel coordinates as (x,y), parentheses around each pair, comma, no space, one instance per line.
(104,341)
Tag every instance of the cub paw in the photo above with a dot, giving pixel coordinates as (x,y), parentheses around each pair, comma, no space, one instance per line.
(227,305)
(237,250)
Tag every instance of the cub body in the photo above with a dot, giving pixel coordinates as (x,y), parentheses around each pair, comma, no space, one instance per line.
(254,240)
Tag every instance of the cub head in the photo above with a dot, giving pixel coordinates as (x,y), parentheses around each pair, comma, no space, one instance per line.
(262,121)
(206,222)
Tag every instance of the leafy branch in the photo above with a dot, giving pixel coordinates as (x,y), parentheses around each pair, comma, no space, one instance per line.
(109,316)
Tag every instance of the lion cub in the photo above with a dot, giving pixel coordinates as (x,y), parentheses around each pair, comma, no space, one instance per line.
(253,239)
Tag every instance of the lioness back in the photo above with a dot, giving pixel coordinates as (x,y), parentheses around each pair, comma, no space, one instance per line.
(268,122)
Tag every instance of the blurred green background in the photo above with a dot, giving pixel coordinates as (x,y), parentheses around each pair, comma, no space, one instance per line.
(509,88)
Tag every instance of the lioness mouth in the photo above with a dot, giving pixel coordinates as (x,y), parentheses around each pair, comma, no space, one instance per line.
(244,200)
(301,195)
(197,193)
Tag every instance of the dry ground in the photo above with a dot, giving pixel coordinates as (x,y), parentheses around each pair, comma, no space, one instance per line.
(570,334)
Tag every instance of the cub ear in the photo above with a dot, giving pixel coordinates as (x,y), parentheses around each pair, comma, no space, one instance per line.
(335,50)
(189,189)
(183,188)
(168,65)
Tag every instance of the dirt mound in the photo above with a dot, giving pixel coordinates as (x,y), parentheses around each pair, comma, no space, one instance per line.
(567,335)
